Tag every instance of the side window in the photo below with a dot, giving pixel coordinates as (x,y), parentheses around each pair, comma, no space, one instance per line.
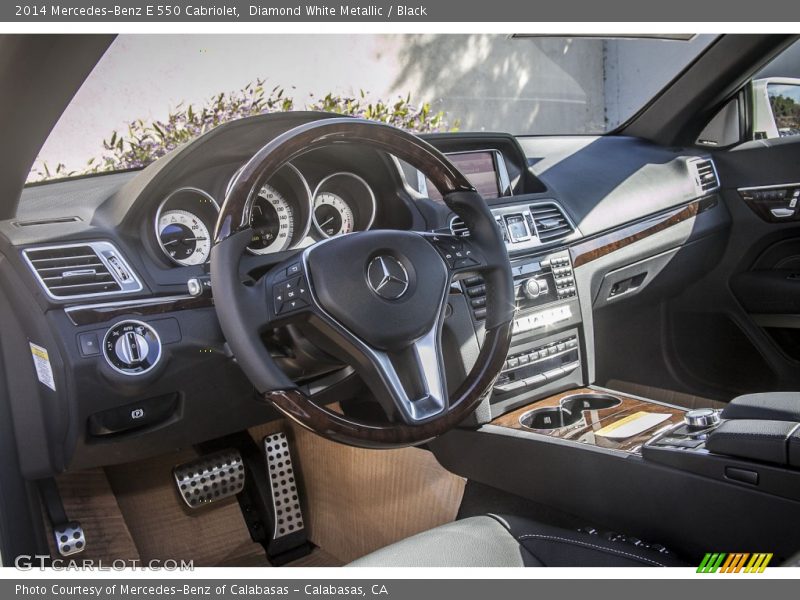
(775,97)
(776,107)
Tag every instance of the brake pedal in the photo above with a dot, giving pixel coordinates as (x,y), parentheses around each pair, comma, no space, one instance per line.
(210,478)
(70,538)
(287,513)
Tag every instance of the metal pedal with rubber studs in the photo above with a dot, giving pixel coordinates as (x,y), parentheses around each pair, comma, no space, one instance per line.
(70,538)
(283,484)
(210,478)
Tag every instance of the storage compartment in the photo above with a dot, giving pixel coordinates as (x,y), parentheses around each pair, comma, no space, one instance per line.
(569,411)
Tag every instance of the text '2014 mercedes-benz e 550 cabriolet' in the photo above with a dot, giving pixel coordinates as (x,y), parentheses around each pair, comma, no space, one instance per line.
(405,309)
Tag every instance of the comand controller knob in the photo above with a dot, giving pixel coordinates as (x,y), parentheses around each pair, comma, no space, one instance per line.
(701,418)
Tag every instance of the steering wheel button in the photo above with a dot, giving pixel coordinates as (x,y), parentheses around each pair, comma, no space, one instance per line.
(294,305)
(293,269)
(463,263)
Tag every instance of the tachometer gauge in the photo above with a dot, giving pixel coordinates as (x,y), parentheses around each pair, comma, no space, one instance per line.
(184,237)
(332,215)
(272,220)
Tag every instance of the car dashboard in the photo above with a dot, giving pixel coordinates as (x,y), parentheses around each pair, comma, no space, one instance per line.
(113,351)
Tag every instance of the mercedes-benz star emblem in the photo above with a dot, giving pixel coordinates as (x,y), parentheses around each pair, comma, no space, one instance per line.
(387,277)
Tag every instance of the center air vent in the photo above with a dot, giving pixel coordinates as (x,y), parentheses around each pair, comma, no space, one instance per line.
(457,226)
(705,175)
(81,270)
(551,224)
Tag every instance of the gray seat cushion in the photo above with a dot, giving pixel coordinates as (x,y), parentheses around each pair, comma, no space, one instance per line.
(473,542)
(505,541)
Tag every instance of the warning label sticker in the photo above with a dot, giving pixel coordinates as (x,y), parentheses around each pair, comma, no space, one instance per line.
(41,360)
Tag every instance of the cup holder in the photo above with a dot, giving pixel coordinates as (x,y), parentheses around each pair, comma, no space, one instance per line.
(569,411)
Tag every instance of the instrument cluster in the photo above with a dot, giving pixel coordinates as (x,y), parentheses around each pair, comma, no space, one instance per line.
(286,213)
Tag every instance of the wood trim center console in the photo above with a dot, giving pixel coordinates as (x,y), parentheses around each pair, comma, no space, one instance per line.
(581,424)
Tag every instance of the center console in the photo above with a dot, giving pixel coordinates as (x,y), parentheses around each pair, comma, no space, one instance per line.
(754,442)
(545,352)
(546,342)
(595,417)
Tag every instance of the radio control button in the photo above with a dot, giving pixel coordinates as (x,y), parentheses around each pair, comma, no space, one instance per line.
(510,387)
(532,289)
(535,381)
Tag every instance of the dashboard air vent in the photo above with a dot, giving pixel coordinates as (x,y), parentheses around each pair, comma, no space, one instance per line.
(550,222)
(81,270)
(46,221)
(705,175)
(458,227)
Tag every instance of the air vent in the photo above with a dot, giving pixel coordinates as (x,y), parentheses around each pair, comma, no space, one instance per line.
(459,228)
(51,221)
(475,289)
(550,222)
(81,270)
(705,175)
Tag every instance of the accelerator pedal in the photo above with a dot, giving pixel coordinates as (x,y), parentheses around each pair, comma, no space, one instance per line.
(288,516)
(210,478)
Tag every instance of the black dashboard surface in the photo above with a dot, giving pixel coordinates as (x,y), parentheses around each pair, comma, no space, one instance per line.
(606,181)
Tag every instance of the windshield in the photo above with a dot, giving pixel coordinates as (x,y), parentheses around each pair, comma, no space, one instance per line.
(151,93)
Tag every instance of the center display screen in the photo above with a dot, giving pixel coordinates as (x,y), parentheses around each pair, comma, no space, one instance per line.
(481,170)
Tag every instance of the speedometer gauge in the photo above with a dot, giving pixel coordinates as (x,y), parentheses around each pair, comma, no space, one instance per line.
(184,237)
(272,220)
(332,215)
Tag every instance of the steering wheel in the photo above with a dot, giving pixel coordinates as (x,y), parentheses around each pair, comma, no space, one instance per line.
(380,296)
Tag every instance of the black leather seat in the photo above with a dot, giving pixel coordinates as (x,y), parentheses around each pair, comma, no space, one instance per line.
(504,541)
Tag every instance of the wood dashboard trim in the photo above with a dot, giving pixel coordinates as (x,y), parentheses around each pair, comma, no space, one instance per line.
(589,250)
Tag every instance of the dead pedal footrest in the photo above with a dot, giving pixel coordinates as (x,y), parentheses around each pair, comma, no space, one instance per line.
(283,485)
(210,478)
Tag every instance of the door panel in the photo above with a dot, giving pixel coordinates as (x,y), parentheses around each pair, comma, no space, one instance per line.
(738,330)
